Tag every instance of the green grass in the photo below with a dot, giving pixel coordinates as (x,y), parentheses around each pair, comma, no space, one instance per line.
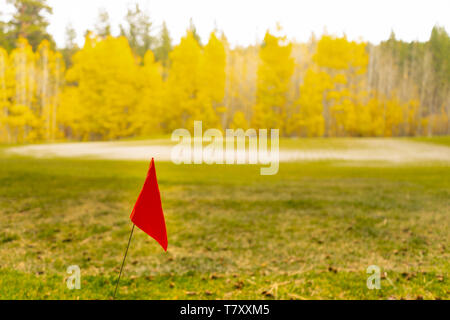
(445,140)
(310,231)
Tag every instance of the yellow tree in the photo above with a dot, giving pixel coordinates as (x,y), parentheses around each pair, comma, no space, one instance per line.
(212,82)
(147,118)
(240,86)
(22,121)
(393,110)
(183,85)
(309,120)
(239,121)
(58,71)
(50,70)
(274,75)
(302,54)
(104,79)
(345,62)
(4,101)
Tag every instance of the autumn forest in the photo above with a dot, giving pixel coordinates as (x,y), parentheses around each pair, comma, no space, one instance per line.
(140,84)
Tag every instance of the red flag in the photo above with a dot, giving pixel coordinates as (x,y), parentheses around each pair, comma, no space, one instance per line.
(147,214)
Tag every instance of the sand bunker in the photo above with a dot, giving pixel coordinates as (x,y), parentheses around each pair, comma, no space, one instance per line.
(372,150)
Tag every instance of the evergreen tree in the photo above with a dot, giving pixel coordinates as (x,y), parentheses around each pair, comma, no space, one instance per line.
(138,31)
(164,48)
(103,26)
(29,22)
(193,30)
(71,46)
(439,44)
(4,43)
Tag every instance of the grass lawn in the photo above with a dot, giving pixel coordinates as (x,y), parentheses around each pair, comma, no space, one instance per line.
(310,231)
(445,141)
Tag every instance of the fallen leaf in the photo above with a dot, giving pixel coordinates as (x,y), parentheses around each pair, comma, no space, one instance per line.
(238,285)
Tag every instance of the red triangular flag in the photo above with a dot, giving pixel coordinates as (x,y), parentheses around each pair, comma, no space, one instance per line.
(147,214)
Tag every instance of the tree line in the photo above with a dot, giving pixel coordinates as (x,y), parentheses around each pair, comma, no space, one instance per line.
(140,84)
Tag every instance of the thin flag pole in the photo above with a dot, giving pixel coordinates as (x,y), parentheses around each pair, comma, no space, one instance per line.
(123,262)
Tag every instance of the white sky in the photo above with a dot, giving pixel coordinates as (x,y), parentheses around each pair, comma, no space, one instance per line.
(245,21)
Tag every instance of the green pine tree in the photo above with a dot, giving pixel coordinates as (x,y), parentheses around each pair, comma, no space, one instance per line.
(164,48)
(193,29)
(29,22)
(138,31)
(103,26)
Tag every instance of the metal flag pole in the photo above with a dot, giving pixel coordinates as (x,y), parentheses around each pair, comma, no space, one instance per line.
(123,262)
